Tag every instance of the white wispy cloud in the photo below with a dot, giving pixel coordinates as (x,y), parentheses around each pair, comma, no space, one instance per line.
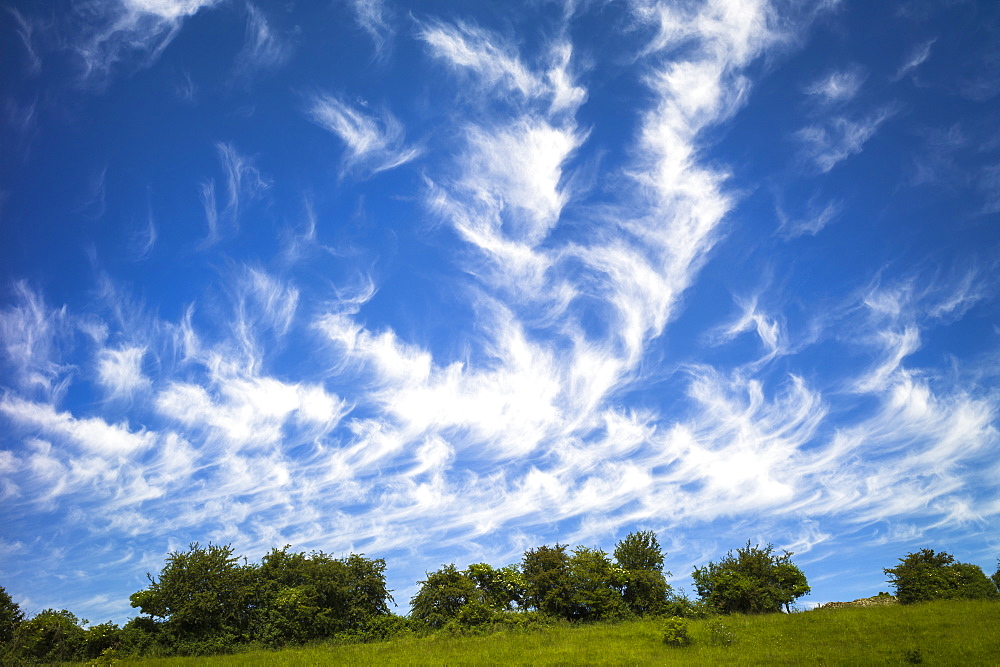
(25,30)
(243,179)
(207,193)
(916,442)
(375,18)
(249,411)
(31,334)
(120,371)
(751,319)
(21,120)
(92,434)
(263,49)
(511,181)
(816,217)
(917,57)
(243,182)
(839,86)
(374,140)
(470,48)
(832,142)
(136,30)
(143,240)
(519,169)
(264,307)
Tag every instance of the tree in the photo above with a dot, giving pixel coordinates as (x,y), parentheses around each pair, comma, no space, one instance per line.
(443,595)
(305,596)
(596,584)
(201,592)
(996,576)
(645,589)
(502,588)
(547,580)
(929,575)
(100,638)
(51,636)
(754,580)
(11,617)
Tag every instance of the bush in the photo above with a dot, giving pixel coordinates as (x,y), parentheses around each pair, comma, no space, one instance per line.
(675,632)
(679,604)
(102,638)
(11,617)
(51,636)
(754,580)
(442,595)
(929,575)
(381,628)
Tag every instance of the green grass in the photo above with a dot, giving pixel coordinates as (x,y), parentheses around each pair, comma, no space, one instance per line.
(938,633)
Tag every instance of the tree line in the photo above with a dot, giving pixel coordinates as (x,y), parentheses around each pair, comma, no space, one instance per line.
(207,600)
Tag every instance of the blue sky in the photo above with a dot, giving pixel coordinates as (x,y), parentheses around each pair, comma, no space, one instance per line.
(443,281)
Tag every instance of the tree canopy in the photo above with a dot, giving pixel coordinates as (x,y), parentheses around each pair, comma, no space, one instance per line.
(11,617)
(548,585)
(206,592)
(752,580)
(644,585)
(934,575)
(443,595)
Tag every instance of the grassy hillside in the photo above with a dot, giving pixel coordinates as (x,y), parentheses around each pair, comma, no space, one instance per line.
(947,632)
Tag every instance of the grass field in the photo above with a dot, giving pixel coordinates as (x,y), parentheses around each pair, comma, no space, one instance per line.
(937,633)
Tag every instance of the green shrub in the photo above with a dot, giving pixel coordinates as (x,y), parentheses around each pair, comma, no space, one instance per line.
(929,575)
(753,580)
(390,626)
(680,604)
(51,636)
(675,632)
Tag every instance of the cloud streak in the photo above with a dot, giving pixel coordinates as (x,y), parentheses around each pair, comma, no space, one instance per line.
(829,144)
(126,31)
(373,142)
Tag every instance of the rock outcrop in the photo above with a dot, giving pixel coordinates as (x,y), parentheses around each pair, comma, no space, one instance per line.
(875,601)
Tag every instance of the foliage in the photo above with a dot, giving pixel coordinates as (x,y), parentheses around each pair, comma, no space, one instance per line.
(502,589)
(306,596)
(384,627)
(11,617)
(596,584)
(51,636)
(679,604)
(442,596)
(644,586)
(929,575)
(138,636)
(101,638)
(675,632)
(996,576)
(754,580)
(201,592)
(548,581)
(208,602)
